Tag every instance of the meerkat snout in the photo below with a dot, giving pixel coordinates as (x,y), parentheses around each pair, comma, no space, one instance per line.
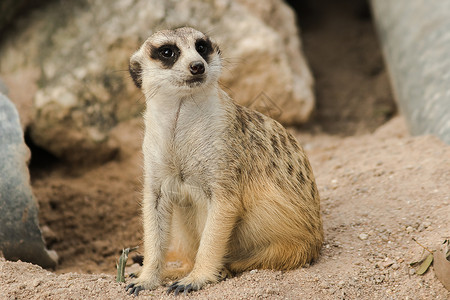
(197,68)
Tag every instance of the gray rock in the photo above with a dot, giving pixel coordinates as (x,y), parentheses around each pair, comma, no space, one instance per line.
(416,42)
(82,49)
(20,237)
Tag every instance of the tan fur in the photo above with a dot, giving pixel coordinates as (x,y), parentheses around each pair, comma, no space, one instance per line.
(229,186)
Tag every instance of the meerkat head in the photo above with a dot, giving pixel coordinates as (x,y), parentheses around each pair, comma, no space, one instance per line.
(180,61)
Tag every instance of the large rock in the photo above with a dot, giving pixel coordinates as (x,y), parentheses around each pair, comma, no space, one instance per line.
(73,56)
(20,236)
(415,38)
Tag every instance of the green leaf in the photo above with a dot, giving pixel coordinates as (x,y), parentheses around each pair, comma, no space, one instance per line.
(425,265)
(121,265)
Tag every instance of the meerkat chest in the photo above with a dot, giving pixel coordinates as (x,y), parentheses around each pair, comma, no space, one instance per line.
(181,148)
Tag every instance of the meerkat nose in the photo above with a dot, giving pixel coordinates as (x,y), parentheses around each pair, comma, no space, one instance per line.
(197,68)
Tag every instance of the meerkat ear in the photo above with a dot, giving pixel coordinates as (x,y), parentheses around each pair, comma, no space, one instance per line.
(135,69)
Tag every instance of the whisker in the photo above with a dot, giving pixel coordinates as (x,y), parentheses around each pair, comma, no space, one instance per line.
(140,98)
(225,87)
(119,70)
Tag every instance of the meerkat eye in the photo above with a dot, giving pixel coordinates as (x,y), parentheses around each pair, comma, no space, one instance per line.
(201,47)
(166,52)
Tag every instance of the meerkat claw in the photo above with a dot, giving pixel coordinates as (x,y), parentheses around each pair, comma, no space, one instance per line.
(189,288)
(177,288)
(172,287)
(134,290)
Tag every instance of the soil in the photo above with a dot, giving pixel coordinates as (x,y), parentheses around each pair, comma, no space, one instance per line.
(379,188)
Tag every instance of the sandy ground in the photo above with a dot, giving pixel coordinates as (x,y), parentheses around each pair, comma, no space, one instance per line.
(378,192)
(379,187)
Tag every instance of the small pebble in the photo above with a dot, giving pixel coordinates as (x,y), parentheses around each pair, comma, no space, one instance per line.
(387,263)
(363,236)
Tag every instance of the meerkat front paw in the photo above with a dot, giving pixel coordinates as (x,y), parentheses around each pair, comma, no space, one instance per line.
(141,283)
(192,283)
(177,287)
(188,284)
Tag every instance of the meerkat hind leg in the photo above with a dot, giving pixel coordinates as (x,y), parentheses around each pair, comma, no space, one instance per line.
(225,273)
(171,273)
(183,247)
(275,256)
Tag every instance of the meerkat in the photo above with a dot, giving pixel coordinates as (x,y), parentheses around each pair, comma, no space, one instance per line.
(230,186)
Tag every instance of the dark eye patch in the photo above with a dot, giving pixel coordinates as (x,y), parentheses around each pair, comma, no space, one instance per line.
(204,48)
(167,54)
